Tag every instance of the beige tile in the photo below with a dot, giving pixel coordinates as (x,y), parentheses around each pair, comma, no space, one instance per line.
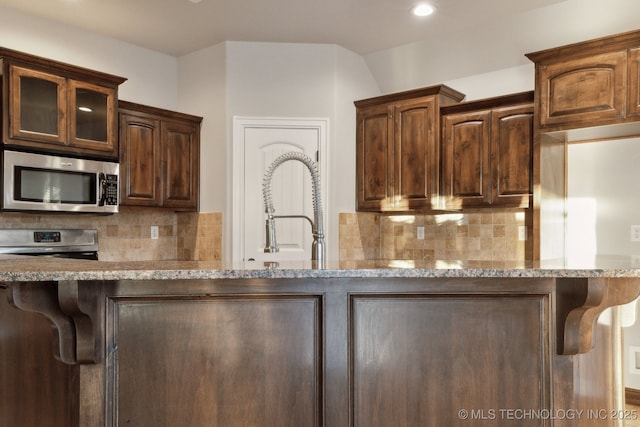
(498,230)
(498,217)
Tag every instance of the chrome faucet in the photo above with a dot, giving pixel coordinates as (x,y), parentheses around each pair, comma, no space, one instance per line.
(318,245)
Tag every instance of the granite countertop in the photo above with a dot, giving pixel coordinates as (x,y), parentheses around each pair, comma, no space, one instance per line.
(24,268)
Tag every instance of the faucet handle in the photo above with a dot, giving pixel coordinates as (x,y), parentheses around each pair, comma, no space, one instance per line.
(271,245)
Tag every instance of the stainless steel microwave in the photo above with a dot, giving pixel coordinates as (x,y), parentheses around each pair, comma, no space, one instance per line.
(42,182)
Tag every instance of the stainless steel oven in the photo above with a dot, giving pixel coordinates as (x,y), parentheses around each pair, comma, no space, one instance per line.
(51,242)
(42,182)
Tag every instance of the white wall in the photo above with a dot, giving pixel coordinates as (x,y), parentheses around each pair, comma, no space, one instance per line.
(603,197)
(353,81)
(495,83)
(203,92)
(152,76)
(280,79)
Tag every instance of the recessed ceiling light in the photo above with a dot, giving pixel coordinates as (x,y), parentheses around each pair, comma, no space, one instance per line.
(195,1)
(423,10)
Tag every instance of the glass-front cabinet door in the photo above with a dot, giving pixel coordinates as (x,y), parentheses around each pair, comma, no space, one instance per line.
(37,104)
(91,116)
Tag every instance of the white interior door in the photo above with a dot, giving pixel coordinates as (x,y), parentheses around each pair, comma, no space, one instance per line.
(291,189)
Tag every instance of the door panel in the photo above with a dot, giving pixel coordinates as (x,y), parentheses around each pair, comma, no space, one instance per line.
(139,139)
(181,165)
(374,168)
(415,170)
(512,157)
(584,91)
(466,159)
(291,192)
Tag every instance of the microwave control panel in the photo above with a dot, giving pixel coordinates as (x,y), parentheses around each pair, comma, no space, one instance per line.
(109,190)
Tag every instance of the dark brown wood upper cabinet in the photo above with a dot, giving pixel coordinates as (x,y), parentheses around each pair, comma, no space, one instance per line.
(587,84)
(397,150)
(487,152)
(55,107)
(159,157)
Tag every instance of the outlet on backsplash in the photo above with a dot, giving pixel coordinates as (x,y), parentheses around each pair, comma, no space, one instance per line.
(522,232)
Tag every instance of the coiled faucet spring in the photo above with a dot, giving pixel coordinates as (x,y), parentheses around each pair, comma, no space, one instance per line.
(318,245)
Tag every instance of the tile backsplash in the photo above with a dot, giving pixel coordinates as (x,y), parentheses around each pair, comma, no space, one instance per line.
(126,236)
(491,235)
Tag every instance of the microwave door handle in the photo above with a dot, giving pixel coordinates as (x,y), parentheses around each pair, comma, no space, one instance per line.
(102,188)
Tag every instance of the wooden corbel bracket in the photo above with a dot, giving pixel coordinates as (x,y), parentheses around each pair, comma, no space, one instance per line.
(579,304)
(74,312)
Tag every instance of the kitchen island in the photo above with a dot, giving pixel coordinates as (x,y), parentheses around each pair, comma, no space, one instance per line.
(176,343)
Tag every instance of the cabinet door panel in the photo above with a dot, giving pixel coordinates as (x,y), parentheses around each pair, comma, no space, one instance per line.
(92,115)
(181,165)
(38,105)
(374,161)
(415,153)
(407,373)
(466,159)
(581,91)
(139,160)
(512,155)
(217,361)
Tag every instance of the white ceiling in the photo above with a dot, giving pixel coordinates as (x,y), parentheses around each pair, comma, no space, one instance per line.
(177,27)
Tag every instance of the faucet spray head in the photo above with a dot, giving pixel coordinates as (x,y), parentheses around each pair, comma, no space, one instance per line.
(271,245)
